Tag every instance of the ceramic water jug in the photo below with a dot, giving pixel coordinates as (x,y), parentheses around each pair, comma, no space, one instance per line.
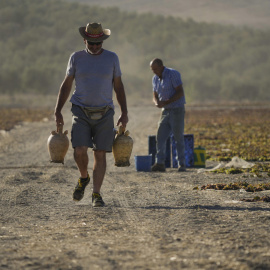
(58,144)
(122,147)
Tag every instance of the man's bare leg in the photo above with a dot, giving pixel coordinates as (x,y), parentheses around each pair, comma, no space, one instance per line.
(81,158)
(99,169)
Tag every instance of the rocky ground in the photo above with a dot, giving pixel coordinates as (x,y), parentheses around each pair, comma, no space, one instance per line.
(151,220)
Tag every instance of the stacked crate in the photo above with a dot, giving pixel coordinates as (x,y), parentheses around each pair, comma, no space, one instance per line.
(171,153)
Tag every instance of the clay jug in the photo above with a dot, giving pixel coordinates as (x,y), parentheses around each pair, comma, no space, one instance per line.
(122,147)
(58,144)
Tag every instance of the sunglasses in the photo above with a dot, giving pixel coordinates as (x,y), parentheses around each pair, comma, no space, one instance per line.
(94,43)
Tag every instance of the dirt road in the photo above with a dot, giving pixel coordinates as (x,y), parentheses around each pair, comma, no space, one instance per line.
(151,221)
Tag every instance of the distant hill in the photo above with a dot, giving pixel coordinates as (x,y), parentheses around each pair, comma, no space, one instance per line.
(251,13)
(217,62)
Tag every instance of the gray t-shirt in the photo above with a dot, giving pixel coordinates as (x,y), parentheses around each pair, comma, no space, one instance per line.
(94,76)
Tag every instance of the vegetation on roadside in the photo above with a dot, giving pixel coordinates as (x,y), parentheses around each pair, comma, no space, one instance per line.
(238,185)
(258,199)
(226,133)
(216,62)
(255,171)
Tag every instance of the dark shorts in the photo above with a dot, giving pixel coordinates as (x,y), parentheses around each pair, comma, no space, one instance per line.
(96,134)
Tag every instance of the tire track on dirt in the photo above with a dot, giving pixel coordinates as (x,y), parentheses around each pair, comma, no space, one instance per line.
(130,207)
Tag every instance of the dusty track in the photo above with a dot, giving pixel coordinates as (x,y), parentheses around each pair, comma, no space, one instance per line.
(151,221)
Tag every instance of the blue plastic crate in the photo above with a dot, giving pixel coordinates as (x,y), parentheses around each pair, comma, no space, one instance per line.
(143,163)
(189,151)
(171,153)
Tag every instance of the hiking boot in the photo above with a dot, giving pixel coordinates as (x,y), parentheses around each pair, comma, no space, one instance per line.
(158,167)
(80,187)
(97,200)
(181,168)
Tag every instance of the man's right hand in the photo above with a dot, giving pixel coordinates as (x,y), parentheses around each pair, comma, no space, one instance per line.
(59,119)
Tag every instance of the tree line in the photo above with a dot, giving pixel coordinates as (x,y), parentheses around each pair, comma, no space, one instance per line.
(216,62)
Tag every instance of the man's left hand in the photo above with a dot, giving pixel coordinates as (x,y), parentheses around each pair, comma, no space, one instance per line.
(123,119)
(161,104)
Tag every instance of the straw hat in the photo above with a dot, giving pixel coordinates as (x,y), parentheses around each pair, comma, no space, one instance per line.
(93,32)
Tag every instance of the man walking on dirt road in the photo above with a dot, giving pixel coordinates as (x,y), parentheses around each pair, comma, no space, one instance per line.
(168,94)
(96,72)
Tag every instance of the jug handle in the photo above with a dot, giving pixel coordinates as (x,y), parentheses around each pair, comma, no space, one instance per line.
(121,130)
(60,129)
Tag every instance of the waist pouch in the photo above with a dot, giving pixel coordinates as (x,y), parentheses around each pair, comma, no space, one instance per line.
(95,113)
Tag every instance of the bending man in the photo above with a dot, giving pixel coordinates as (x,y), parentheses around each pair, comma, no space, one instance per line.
(168,94)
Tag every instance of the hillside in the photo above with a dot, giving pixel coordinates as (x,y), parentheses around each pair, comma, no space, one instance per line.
(217,63)
(251,13)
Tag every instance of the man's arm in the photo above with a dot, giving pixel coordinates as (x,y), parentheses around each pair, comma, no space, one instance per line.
(121,98)
(155,98)
(179,92)
(63,95)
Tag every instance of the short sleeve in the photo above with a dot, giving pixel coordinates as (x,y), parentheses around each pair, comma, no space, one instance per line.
(117,70)
(176,78)
(154,85)
(71,66)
